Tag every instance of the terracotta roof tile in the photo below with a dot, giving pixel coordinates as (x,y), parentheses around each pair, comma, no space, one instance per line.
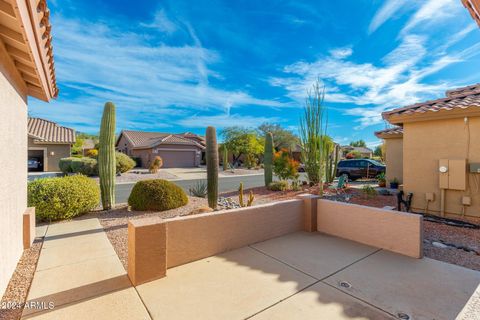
(394,131)
(48,131)
(144,139)
(460,98)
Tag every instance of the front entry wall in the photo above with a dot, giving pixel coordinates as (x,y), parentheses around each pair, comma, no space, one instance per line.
(425,143)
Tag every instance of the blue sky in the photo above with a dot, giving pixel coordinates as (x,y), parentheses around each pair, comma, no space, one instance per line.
(179,65)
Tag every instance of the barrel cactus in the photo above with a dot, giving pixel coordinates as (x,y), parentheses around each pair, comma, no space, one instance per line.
(212,167)
(268,159)
(106,157)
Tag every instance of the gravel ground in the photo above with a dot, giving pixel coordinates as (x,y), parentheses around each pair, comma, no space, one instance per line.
(141,174)
(19,284)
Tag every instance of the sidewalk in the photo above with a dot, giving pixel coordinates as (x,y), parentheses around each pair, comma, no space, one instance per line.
(80,275)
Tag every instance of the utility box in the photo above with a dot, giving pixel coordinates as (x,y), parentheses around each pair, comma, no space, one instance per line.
(474,167)
(453,174)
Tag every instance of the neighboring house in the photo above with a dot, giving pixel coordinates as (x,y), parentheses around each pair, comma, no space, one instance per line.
(364,152)
(176,150)
(474,7)
(26,69)
(47,144)
(439,142)
(88,144)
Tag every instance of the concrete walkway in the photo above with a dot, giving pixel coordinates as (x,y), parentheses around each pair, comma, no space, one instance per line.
(80,276)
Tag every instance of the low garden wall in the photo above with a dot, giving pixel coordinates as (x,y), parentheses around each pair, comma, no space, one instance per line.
(154,245)
(400,232)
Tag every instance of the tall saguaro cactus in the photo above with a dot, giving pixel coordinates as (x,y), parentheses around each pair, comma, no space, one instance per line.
(268,159)
(106,157)
(212,167)
(225,158)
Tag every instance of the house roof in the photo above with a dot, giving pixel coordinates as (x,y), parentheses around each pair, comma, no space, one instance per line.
(145,139)
(50,132)
(25,31)
(390,132)
(460,98)
(473,7)
(359,149)
(88,144)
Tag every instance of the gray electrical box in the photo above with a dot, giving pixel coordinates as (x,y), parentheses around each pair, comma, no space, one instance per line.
(474,167)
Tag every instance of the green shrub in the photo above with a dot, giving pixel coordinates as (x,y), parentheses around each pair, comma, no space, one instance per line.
(63,198)
(369,191)
(124,162)
(84,165)
(278,185)
(199,189)
(156,194)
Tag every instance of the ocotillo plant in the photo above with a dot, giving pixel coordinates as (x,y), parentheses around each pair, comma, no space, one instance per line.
(225,158)
(268,159)
(212,167)
(106,157)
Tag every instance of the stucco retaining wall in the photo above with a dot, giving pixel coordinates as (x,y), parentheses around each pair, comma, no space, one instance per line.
(395,231)
(196,237)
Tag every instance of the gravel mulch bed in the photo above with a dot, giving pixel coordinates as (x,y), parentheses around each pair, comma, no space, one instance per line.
(141,174)
(19,285)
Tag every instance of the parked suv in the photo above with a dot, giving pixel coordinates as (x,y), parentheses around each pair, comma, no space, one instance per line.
(359,168)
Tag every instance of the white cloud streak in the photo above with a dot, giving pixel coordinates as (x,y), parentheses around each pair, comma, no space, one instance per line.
(386,12)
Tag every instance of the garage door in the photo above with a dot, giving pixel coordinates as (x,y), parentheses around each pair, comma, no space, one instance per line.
(35,160)
(177,159)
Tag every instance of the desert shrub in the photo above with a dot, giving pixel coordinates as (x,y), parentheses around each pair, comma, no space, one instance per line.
(278,185)
(92,153)
(156,164)
(63,198)
(124,162)
(156,194)
(284,166)
(369,191)
(84,165)
(199,189)
(250,161)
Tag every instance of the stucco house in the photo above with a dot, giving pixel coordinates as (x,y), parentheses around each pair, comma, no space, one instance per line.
(364,152)
(434,149)
(176,150)
(47,144)
(26,69)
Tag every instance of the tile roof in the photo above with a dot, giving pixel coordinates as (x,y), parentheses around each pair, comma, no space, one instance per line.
(359,149)
(48,131)
(460,98)
(394,131)
(145,139)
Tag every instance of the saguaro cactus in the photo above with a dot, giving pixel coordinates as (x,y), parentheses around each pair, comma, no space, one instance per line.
(225,158)
(106,157)
(212,167)
(268,159)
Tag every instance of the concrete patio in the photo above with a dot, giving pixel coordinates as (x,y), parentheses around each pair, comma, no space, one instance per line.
(297,276)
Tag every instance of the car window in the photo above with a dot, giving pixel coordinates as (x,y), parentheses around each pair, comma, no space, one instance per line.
(362,164)
(376,163)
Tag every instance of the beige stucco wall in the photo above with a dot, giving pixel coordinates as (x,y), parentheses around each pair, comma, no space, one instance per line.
(394,159)
(424,143)
(59,151)
(13,170)
(372,226)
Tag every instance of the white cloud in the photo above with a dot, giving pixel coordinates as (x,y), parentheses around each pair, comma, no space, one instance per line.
(226,120)
(101,63)
(398,81)
(387,11)
(432,12)
(161,22)
(341,53)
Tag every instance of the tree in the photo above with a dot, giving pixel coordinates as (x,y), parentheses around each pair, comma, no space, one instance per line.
(77,147)
(378,151)
(358,143)
(242,141)
(282,138)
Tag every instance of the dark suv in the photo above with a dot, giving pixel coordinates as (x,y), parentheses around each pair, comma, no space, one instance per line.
(359,168)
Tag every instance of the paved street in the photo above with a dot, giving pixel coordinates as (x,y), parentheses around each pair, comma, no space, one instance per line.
(225,184)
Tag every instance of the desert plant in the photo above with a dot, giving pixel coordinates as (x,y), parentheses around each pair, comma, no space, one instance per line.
(83,165)
(123,162)
(353,155)
(63,198)
(268,158)
(251,197)
(156,164)
(92,153)
(278,186)
(212,167)
(296,185)
(199,189)
(250,161)
(106,157)
(284,166)
(225,158)
(369,191)
(313,127)
(156,194)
